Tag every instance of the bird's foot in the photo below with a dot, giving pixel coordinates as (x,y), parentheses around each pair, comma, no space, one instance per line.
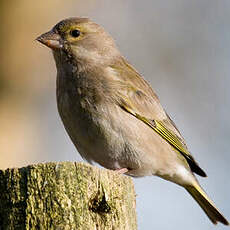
(122,170)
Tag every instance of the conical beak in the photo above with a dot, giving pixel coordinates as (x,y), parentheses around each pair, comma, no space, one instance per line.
(50,39)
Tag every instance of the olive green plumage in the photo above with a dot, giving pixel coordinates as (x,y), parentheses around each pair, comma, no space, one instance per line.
(112,114)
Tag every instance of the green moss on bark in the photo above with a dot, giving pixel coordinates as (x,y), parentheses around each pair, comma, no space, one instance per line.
(66,196)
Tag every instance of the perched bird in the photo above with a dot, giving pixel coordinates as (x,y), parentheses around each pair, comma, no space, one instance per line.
(112,114)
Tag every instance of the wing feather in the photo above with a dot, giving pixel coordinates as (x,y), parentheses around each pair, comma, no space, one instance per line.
(135,96)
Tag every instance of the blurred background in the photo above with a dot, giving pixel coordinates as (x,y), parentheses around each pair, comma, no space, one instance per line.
(181,47)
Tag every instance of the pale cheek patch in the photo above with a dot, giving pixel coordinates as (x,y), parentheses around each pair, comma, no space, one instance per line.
(85,54)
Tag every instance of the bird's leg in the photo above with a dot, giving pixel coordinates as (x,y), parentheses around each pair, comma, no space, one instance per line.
(122,170)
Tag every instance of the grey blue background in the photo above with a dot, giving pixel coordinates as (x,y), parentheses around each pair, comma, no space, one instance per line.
(181,47)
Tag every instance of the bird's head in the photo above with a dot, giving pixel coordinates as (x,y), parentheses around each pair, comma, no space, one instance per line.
(80,40)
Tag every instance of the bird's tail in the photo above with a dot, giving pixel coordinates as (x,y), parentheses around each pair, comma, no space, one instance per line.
(206,204)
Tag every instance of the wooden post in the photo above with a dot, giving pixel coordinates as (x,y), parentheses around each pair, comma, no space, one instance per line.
(66,196)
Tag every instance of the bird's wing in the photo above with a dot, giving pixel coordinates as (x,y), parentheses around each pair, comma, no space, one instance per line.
(135,96)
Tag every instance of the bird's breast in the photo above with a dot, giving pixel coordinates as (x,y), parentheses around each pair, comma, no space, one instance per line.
(83,114)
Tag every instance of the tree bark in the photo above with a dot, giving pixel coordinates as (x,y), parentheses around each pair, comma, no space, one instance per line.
(66,196)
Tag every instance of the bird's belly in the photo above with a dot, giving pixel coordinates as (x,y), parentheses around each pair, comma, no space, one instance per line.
(89,131)
(115,139)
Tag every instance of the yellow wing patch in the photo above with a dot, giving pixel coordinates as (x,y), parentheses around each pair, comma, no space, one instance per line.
(169,136)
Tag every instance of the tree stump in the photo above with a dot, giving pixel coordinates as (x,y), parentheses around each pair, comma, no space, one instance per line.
(66,196)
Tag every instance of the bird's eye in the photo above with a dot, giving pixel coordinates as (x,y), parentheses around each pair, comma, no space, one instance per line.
(75,33)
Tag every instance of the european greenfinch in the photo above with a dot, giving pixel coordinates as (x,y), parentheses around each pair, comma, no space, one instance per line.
(112,114)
